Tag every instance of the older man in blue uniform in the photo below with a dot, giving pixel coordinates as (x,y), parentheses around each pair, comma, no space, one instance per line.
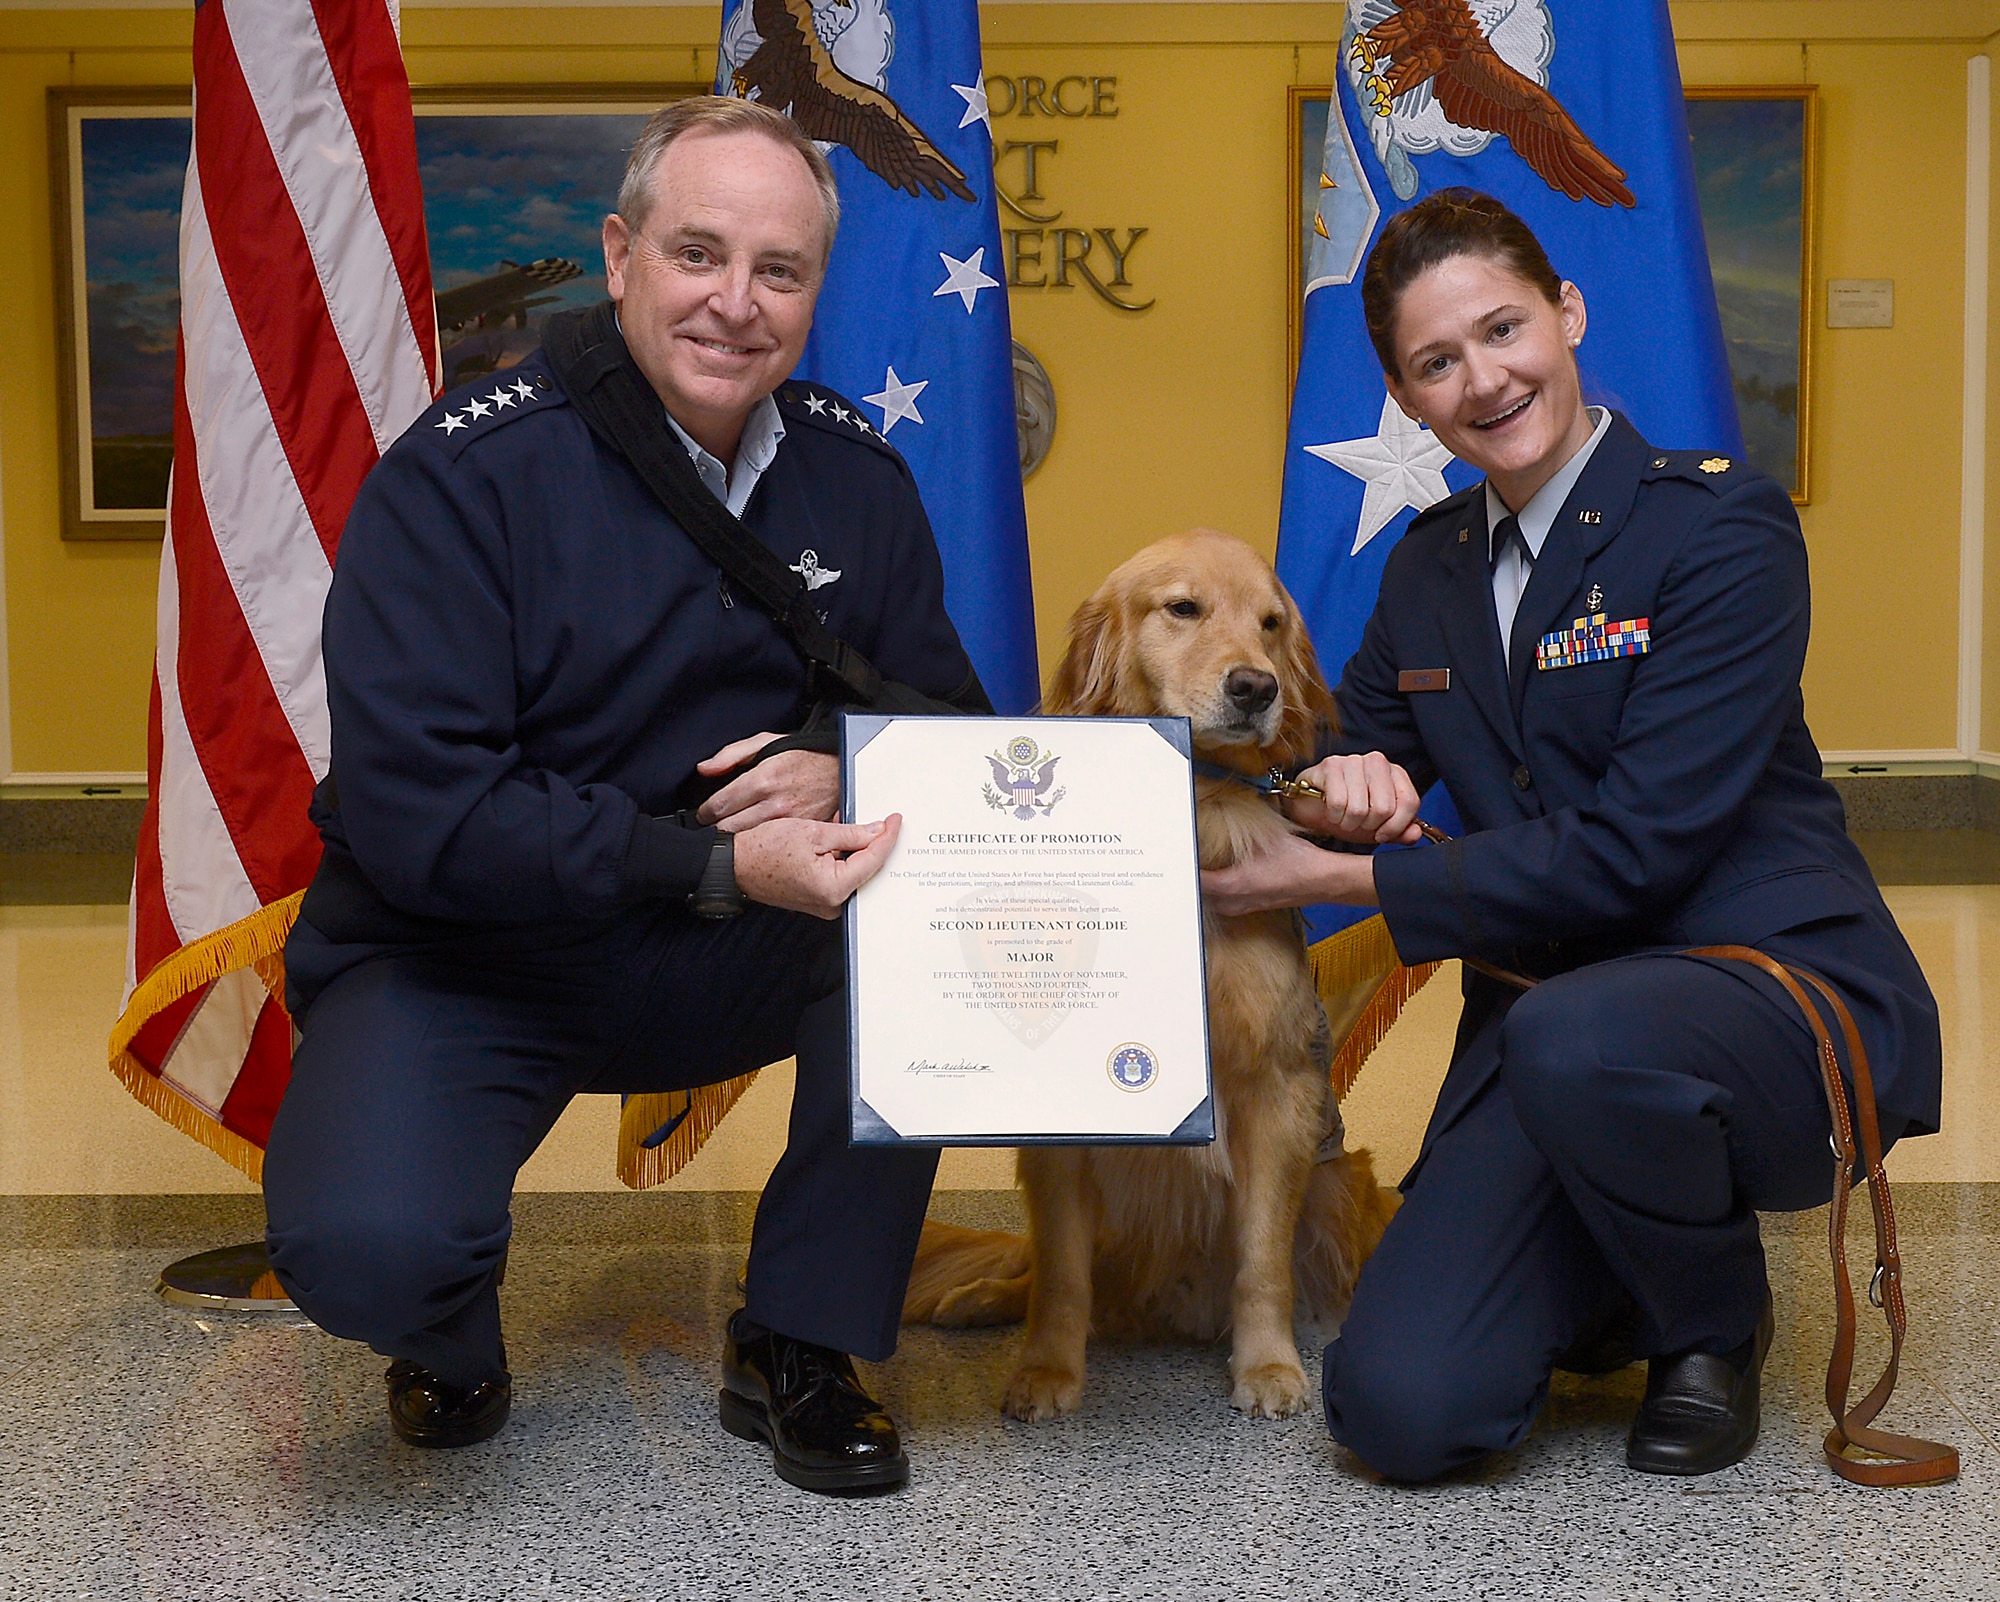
(547,706)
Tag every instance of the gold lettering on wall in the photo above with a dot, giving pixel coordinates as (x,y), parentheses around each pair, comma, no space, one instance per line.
(1041,255)
(1029,96)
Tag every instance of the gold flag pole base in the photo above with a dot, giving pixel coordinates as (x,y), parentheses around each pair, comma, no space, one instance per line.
(231,1279)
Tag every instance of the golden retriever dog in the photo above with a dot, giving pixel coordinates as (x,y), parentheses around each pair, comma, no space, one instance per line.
(1152,1242)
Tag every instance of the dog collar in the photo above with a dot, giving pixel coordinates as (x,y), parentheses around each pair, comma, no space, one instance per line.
(1273,783)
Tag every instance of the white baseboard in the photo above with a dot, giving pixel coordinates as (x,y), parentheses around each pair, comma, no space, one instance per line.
(1848,764)
(73,787)
(1908,763)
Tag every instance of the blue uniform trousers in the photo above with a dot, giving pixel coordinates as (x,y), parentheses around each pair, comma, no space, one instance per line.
(426,1076)
(1640,1112)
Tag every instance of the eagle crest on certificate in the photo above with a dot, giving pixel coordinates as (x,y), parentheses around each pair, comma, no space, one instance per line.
(1022,774)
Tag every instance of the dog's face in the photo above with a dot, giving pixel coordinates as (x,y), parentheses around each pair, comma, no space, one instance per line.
(1198,626)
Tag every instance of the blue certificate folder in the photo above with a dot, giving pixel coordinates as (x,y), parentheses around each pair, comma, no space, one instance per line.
(1025,789)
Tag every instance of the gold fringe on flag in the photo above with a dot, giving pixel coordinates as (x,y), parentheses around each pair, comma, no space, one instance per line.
(694,1115)
(258,942)
(1364,987)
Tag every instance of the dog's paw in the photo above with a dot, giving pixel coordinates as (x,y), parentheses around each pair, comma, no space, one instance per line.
(1036,1393)
(1270,1390)
(982,1303)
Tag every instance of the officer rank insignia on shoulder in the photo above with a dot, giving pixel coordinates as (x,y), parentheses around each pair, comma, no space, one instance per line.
(1703,467)
(834,412)
(1593,639)
(466,415)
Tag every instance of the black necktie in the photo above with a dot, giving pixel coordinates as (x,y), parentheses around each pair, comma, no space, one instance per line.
(1508,531)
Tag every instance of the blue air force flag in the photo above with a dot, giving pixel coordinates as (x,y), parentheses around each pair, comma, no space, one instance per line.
(912,322)
(1568,111)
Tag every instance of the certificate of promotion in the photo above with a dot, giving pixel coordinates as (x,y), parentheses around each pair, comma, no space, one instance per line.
(1027,967)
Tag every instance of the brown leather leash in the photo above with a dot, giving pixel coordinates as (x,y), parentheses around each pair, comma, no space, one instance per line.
(1854,1449)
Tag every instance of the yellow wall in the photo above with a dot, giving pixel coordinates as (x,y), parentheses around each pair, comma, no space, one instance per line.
(79,616)
(1175,415)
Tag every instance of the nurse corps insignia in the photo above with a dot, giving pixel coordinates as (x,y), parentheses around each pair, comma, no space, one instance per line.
(1132,1067)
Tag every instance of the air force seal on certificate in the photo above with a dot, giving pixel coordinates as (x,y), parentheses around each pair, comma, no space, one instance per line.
(1132,1066)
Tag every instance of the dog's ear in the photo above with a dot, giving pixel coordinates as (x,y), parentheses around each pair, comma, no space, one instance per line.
(1085,681)
(1309,704)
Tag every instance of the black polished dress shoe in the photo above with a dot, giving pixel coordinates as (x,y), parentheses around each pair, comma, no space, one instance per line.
(1700,1411)
(825,1432)
(425,1411)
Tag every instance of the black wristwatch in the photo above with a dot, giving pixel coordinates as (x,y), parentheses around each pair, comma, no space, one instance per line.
(718,895)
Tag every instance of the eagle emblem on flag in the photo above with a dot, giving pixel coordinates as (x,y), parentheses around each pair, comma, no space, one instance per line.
(826,63)
(1449,74)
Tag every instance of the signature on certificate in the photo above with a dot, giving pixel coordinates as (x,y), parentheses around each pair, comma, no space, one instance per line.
(923,1065)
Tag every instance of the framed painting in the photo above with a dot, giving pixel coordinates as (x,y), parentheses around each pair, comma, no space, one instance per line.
(1754,153)
(118,160)
(1305,139)
(516,182)
(1754,176)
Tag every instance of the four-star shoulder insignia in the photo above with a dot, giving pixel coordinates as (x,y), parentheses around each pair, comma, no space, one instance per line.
(830,412)
(469,413)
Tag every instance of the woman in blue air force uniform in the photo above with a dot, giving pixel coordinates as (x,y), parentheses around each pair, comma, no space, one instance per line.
(1588,1185)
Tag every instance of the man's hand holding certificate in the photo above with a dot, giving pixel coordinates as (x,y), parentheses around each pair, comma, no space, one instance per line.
(1028,965)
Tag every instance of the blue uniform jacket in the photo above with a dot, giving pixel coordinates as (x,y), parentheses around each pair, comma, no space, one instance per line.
(1663,800)
(526,657)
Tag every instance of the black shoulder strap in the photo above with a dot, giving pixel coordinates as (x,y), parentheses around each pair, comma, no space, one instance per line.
(589,358)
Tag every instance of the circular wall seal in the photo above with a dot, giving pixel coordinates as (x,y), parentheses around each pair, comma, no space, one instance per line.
(1132,1067)
(1034,409)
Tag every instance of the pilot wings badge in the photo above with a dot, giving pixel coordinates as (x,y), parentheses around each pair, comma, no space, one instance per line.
(807,567)
(826,63)
(1022,774)
(1450,74)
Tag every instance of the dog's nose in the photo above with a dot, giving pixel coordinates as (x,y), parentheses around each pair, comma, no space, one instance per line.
(1249,691)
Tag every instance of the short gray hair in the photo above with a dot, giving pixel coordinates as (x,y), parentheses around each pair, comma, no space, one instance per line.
(724,114)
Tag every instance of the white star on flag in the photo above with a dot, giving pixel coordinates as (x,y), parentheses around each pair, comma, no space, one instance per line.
(974,96)
(898,400)
(966,278)
(1402,462)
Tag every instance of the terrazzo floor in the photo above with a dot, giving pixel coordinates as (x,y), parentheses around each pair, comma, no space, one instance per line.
(153,1453)
(150,1453)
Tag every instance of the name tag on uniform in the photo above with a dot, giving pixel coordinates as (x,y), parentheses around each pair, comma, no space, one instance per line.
(1592,639)
(1411,680)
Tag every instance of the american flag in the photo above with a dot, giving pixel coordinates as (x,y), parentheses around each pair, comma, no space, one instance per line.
(308,342)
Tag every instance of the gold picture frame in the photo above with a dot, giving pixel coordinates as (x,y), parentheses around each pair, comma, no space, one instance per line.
(116,170)
(1305,108)
(1740,221)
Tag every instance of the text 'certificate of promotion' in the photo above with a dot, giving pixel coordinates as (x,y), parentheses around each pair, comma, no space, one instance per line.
(1028,965)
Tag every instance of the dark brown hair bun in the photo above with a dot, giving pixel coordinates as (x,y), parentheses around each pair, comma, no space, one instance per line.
(1452,222)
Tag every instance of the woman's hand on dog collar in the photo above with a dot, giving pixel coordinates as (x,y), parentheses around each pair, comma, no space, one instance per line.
(1364,800)
(1292,873)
